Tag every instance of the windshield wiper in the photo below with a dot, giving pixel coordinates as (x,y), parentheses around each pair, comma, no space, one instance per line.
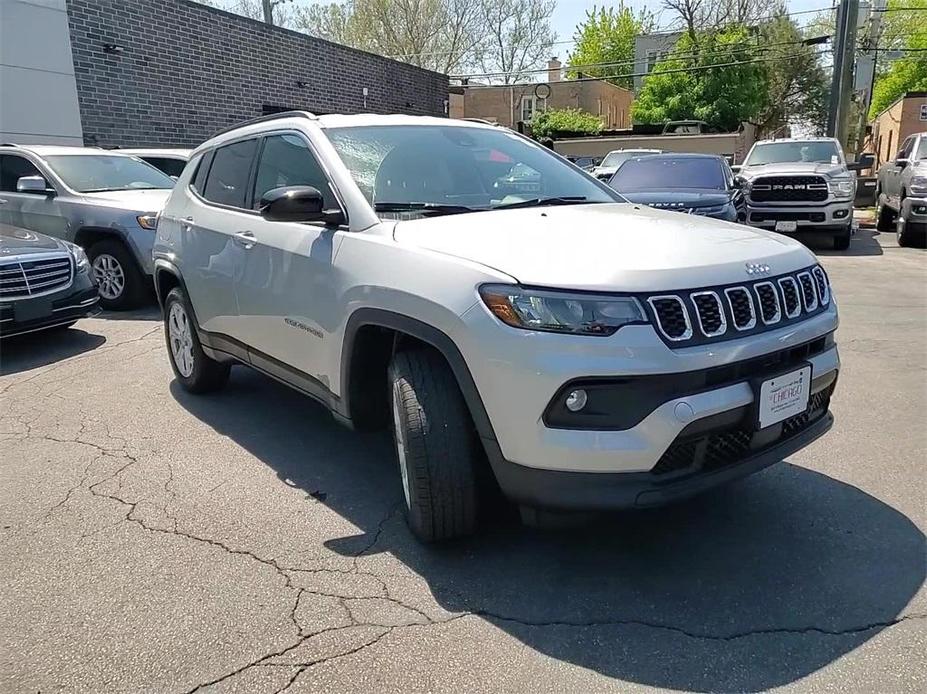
(539,202)
(423,207)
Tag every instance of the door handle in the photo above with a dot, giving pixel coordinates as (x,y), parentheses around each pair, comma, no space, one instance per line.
(187,223)
(2,201)
(245,239)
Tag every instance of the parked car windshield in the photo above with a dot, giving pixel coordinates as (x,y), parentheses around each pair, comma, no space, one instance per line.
(662,173)
(613,159)
(823,152)
(448,169)
(96,173)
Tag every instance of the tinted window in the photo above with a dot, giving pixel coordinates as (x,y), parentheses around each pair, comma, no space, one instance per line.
(96,173)
(662,173)
(227,181)
(172,167)
(287,161)
(823,152)
(198,183)
(12,168)
(468,167)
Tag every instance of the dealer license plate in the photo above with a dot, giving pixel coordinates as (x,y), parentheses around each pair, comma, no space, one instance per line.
(786,226)
(784,396)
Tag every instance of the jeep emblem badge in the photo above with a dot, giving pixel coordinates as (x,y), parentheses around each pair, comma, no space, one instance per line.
(757,269)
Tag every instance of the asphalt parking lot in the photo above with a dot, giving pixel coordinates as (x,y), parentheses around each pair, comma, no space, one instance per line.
(153,541)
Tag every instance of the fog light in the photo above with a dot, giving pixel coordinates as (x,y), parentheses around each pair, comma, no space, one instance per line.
(840,214)
(576,400)
(920,209)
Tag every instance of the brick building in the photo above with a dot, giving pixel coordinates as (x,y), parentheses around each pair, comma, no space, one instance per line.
(511,104)
(173,72)
(888,130)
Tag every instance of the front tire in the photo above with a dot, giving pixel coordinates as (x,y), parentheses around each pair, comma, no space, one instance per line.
(842,240)
(435,444)
(120,282)
(885,218)
(194,370)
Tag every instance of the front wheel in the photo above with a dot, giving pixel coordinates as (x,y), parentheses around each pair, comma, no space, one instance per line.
(884,215)
(196,372)
(842,240)
(120,283)
(435,444)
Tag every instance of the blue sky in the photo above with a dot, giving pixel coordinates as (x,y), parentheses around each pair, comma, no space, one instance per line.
(570,12)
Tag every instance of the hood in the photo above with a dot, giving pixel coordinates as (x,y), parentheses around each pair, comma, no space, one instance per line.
(679,199)
(16,241)
(141,200)
(795,168)
(608,247)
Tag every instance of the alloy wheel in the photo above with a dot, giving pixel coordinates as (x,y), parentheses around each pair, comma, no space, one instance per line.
(110,276)
(180,336)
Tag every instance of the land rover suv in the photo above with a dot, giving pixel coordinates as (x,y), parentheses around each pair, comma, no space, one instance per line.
(796,186)
(573,350)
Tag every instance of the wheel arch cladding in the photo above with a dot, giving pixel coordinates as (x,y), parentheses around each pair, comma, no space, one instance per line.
(429,335)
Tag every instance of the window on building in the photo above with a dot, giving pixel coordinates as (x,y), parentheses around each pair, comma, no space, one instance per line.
(227,181)
(652,58)
(286,160)
(12,168)
(530,105)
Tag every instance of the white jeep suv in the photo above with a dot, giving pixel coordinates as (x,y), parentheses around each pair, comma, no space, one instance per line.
(577,351)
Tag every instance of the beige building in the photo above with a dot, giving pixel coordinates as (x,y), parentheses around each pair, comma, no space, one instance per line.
(510,104)
(906,116)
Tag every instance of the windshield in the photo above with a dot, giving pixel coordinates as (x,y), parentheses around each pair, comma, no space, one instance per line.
(921,152)
(95,173)
(823,152)
(662,173)
(452,169)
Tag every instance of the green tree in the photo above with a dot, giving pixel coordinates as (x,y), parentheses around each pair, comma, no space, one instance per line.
(797,86)
(607,36)
(567,120)
(686,85)
(904,30)
(905,75)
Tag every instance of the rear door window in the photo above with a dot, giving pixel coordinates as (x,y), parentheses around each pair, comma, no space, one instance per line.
(227,181)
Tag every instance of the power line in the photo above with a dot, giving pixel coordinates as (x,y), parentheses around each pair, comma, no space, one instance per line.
(700,68)
(681,56)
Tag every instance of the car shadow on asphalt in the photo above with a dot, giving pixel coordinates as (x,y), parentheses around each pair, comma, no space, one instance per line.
(44,347)
(148,312)
(746,588)
(864,242)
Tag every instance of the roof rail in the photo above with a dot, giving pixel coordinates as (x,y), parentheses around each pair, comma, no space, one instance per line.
(264,119)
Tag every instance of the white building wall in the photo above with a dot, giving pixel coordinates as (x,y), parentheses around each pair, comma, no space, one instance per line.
(38,92)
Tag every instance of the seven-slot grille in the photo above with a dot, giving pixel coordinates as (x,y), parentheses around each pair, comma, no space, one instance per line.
(731,311)
(789,189)
(22,279)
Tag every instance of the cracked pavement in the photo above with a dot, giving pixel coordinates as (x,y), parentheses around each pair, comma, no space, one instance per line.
(154,541)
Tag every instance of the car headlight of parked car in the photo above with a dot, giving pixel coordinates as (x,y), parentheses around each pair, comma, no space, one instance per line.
(81,263)
(918,185)
(560,312)
(713,210)
(842,187)
(148,221)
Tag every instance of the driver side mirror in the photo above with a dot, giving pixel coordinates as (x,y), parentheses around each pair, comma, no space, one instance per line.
(33,184)
(297,204)
(902,162)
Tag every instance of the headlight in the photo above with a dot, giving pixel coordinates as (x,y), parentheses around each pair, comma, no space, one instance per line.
(715,209)
(560,312)
(842,187)
(80,258)
(918,185)
(148,221)
(745,184)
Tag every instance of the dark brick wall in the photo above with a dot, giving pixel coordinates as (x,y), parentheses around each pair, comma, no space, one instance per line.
(188,70)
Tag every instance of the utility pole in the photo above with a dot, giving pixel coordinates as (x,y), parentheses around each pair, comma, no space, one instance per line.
(866,67)
(844,59)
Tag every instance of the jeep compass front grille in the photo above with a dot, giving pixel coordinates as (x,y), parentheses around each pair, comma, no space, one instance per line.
(729,312)
(789,189)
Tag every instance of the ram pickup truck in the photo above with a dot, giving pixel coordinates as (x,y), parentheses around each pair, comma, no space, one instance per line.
(796,186)
(901,191)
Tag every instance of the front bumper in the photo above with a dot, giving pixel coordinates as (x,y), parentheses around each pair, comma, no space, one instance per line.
(914,214)
(518,372)
(80,300)
(826,217)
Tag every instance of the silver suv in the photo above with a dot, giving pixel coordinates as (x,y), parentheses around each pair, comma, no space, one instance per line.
(101,200)
(798,186)
(576,351)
